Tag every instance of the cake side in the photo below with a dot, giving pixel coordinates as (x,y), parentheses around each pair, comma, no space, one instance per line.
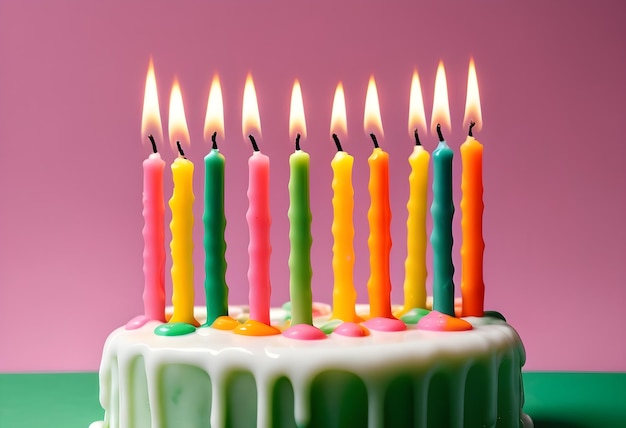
(414,377)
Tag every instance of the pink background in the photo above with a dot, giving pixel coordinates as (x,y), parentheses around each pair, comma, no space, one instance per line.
(553,85)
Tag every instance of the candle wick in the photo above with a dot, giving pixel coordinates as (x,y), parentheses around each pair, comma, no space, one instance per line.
(154,147)
(180,149)
(337,142)
(297,141)
(213,138)
(439,133)
(472,124)
(254,146)
(417,138)
(374,140)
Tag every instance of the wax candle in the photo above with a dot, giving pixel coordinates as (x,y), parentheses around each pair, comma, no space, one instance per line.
(300,238)
(379,241)
(415,263)
(215,287)
(344,294)
(442,210)
(259,222)
(154,236)
(153,211)
(472,249)
(181,244)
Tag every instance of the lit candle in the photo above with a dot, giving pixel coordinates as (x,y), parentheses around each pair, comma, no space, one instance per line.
(258,214)
(379,213)
(415,263)
(442,208)
(299,219)
(154,236)
(344,294)
(153,212)
(472,249)
(214,219)
(259,221)
(181,225)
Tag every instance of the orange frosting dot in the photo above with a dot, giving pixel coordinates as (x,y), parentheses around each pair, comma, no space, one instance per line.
(255,328)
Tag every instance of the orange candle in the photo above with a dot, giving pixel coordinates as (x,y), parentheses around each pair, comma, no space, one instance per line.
(379,213)
(472,285)
(379,241)
(473,247)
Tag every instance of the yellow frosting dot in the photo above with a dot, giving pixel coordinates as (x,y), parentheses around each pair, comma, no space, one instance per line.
(225,323)
(256,328)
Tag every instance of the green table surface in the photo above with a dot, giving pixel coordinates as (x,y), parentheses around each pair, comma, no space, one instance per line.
(556,400)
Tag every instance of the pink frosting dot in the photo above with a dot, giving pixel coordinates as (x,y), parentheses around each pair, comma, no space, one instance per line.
(304,332)
(385,324)
(437,321)
(352,329)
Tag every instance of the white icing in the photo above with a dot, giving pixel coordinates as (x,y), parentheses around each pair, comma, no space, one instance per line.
(374,359)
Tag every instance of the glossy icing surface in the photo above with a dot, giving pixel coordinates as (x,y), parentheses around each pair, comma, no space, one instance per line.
(425,378)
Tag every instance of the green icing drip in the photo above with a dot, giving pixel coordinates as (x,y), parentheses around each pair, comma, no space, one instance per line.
(414,315)
(174,329)
(338,399)
(330,326)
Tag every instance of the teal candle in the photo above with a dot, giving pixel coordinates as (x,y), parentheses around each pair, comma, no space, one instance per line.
(442,210)
(300,238)
(215,287)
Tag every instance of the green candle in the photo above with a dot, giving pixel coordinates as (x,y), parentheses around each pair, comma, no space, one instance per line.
(215,287)
(300,238)
(442,210)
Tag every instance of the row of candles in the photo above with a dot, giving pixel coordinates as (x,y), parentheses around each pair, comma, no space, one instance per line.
(259,218)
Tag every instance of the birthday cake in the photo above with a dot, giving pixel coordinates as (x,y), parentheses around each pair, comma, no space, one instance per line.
(442,364)
(417,377)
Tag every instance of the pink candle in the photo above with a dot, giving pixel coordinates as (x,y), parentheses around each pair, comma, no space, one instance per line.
(153,212)
(154,237)
(259,248)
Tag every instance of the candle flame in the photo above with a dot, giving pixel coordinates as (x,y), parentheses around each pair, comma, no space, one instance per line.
(214,120)
(417,116)
(338,117)
(297,120)
(472,102)
(151,116)
(441,107)
(372,123)
(177,124)
(250,119)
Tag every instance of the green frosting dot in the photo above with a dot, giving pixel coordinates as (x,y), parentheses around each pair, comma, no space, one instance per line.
(287,308)
(174,329)
(495,314)
(330,326)
(414,315)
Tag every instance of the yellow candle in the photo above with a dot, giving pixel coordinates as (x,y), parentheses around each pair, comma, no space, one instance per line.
(181,245)
(415,263)
(379,241)
(344,294)
(472,285)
